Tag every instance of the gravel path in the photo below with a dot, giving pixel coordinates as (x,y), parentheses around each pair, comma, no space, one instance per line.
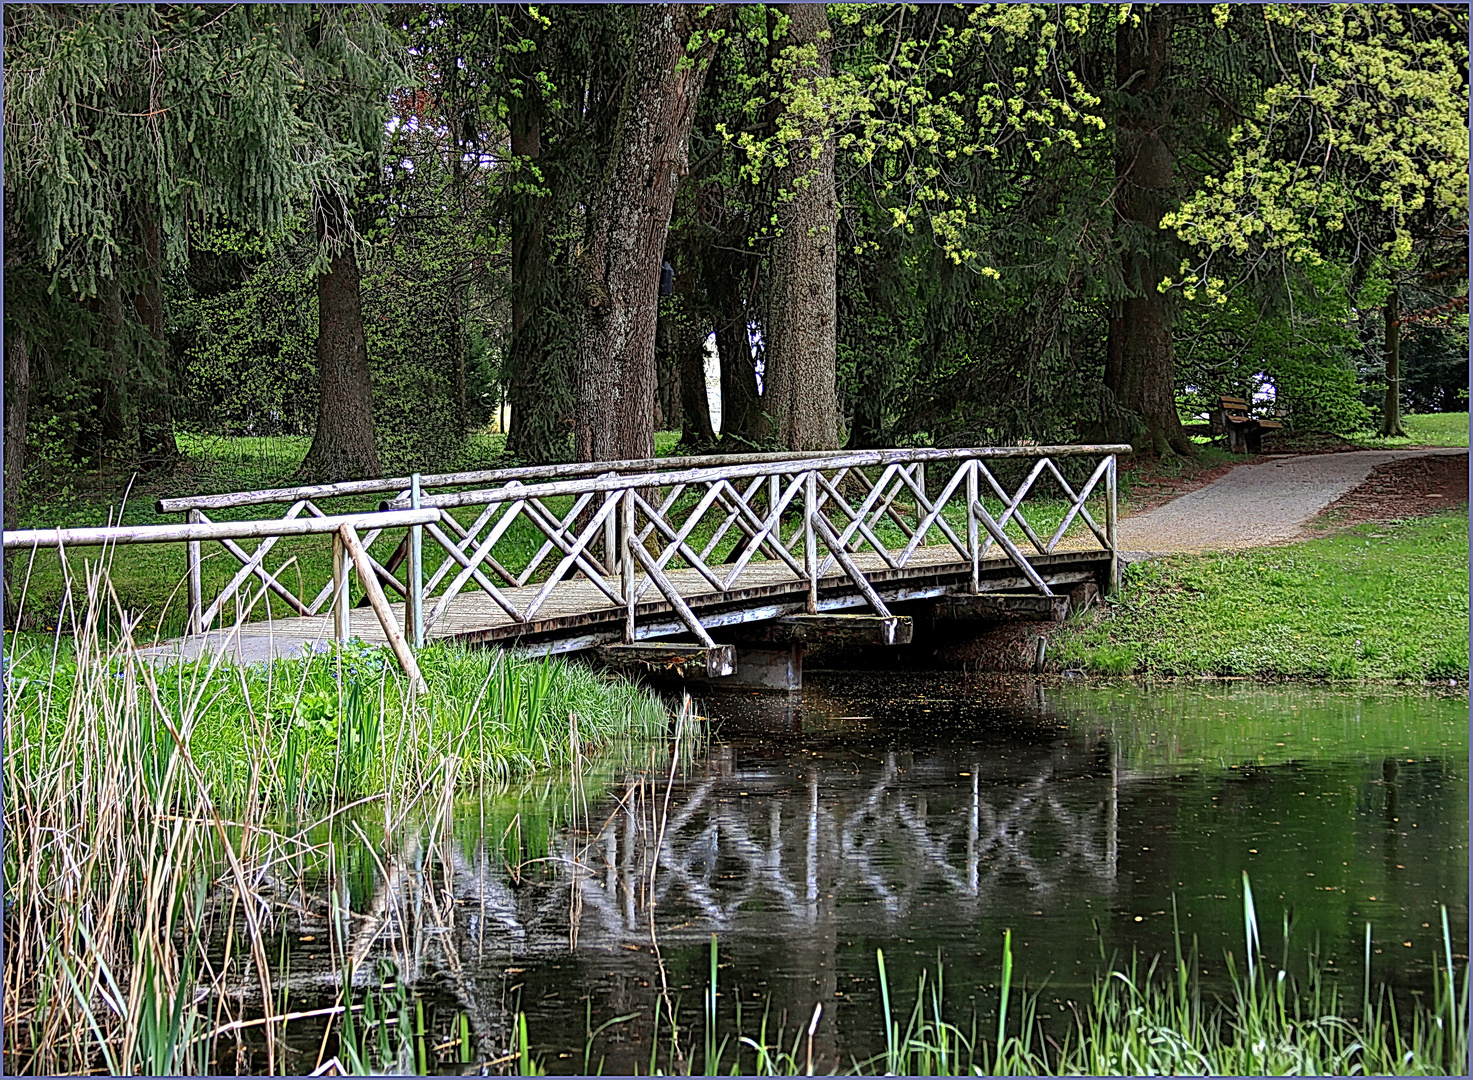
(1267,502)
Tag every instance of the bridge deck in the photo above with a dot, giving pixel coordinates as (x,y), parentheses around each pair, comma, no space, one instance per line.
(577,615)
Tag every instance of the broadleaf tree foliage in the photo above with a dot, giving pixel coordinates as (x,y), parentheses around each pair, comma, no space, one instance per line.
(896,224)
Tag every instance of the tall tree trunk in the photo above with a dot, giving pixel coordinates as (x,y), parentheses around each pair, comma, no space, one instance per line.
(1145,170)
(156,445)
(624,241)
(343,445)
(741,408)
(1391,408)
(799,400)
(17,411)
(667,372)
(536,384)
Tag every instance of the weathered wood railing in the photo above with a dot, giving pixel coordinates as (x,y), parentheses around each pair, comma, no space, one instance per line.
(343,528)
(647,522)
(678,528)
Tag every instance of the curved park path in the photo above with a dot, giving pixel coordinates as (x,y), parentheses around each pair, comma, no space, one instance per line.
(1270,501)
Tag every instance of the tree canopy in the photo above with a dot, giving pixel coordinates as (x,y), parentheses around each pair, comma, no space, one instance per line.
(895,224)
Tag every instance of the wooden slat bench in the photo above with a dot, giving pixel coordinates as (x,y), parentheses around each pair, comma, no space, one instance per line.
(1244,431)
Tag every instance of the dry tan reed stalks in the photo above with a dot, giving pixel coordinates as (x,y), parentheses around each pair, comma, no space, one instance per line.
(115,845)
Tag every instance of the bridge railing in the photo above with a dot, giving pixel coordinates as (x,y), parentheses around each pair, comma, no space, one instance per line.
(347,549)
(644,536)
(753,523)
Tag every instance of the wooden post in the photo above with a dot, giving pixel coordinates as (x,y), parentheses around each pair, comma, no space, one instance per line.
(347,538)
(920,475)
(196,579)
(416,601)
(973,549)
(611,543)
(810,552)
(626,560)
(1111,515)
(339,588)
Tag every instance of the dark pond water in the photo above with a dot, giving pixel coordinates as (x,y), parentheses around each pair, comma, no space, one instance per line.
(925,815)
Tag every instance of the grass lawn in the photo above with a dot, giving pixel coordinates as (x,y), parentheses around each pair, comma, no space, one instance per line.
(1423,429)
(1377,601)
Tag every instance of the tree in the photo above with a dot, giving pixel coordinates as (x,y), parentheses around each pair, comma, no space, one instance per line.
(352,66)
(343,445)
(801,410)
(131,128)
(1140,370)
(1359,149)
(624,240)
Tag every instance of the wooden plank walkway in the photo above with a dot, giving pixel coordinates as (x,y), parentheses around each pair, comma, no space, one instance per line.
(578,615)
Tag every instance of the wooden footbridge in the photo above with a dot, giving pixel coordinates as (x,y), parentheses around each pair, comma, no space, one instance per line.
(653,560)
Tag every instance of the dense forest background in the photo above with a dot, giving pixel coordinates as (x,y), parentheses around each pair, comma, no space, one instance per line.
(381,226)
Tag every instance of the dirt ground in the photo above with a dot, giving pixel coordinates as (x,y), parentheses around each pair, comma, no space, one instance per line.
(1401,489)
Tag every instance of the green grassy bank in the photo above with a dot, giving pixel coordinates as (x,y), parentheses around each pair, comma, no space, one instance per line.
(1378,601)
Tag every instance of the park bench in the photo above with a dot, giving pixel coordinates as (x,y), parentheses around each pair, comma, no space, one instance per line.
(1244,431)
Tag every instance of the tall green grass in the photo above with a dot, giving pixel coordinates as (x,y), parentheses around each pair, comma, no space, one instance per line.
(144,804)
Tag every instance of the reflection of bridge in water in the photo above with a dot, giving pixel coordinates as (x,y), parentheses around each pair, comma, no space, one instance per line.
(799,843)
(790,855)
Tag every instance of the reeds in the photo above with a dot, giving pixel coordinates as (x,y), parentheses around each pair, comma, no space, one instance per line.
(1140,1020)
(147,809)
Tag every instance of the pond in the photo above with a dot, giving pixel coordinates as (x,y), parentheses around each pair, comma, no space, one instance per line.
(922,815)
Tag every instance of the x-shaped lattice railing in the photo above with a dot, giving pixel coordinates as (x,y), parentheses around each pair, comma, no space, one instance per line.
(679,529)
(714,530)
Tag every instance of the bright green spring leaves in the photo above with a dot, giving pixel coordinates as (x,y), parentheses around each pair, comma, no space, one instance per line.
(908,110)
(1364,130)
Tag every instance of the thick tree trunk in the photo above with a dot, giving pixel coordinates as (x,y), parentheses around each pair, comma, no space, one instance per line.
(156,445)
(741,408)
(536,386)
(1391,408)
(17,412)
(667,373)
(1145,170)
(624,241)
(799,402)
(343,445)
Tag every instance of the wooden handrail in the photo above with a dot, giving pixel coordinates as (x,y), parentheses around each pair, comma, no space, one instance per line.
(214,530)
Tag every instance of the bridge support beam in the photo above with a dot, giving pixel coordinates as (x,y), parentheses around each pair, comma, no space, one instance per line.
(833,628)
(995,606)
(683,661)
(766,667)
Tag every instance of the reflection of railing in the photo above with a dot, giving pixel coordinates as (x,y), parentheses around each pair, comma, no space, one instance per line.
(968,851)
(548,547)
(727,848)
